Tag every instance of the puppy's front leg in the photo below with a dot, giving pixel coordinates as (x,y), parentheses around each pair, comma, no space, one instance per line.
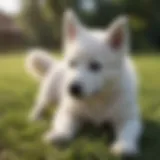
(64,127)
(128,133)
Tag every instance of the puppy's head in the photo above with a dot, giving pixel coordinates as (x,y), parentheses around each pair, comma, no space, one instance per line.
(93,58)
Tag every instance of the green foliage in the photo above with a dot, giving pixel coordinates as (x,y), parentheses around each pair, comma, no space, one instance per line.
(21,140)
(43,23)
(38,27)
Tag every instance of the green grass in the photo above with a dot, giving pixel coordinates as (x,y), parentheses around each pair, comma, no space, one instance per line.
(20,140)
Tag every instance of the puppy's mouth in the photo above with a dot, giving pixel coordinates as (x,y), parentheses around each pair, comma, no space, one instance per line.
(84,96)
(92,95)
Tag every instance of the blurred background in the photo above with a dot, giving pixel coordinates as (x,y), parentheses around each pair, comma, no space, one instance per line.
(26,23)
(38,23)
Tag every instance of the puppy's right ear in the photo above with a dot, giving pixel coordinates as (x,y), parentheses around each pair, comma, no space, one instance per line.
(118,34)
(72,25)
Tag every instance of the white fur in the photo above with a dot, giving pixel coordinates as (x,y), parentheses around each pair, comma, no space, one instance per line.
(109,95)
(39,62)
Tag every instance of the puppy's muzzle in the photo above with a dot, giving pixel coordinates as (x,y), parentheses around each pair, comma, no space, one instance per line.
(76,90)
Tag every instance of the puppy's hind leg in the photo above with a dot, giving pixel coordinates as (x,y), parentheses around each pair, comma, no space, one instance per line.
(128,134)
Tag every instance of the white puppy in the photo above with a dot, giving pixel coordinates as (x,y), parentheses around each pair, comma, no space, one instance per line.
(95,81)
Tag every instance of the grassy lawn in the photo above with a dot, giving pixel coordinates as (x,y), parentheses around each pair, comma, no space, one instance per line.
(20,140)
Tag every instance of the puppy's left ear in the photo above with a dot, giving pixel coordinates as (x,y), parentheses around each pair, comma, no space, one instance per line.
(118,33)
(72,25)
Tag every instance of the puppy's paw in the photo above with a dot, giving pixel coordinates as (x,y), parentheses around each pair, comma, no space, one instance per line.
(123,148)
(58,139)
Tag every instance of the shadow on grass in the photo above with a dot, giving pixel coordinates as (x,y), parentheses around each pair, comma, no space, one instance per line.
(150,143)
(105,131)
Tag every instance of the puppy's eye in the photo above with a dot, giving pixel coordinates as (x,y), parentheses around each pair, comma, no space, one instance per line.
(72,64)
(95,66)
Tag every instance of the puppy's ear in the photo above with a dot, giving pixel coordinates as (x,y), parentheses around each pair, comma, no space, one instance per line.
(72,25)
(118,33)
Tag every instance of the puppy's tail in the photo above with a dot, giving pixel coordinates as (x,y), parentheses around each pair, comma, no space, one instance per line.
(38,63)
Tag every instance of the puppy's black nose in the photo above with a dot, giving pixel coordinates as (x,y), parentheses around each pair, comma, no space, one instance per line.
(76,90)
